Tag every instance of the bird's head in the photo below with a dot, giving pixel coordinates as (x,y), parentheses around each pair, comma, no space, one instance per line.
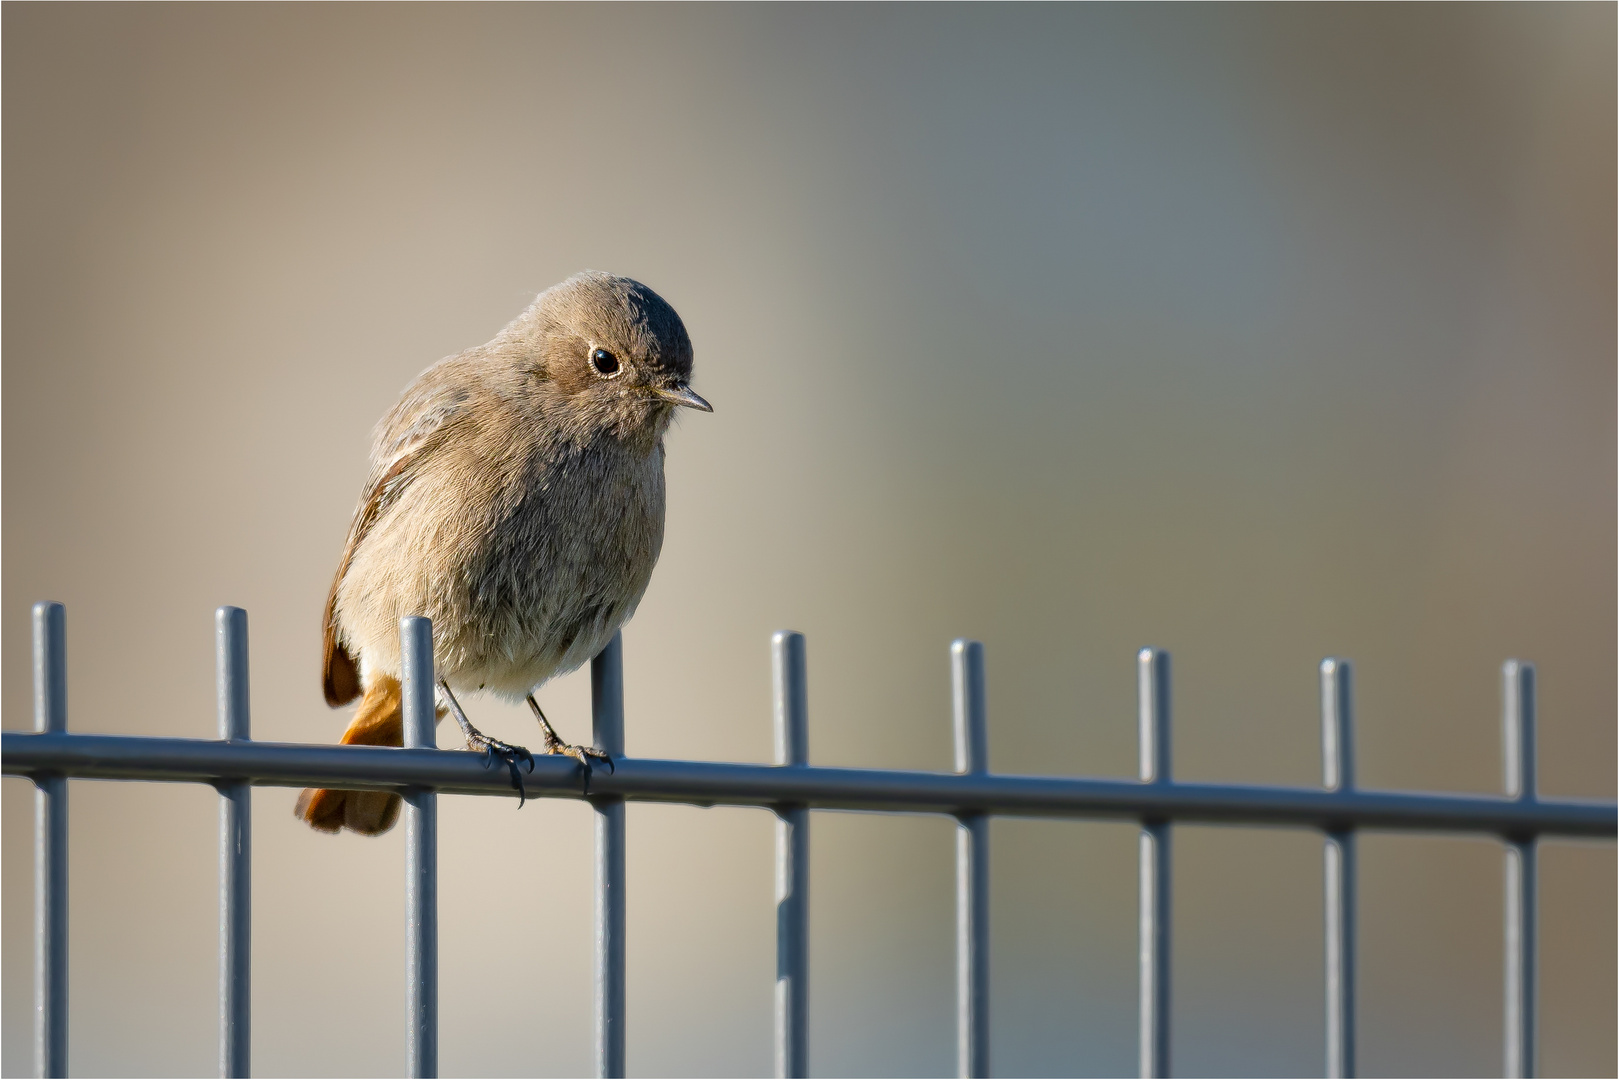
(607,354)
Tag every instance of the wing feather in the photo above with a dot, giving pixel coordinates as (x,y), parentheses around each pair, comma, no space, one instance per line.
(420,421)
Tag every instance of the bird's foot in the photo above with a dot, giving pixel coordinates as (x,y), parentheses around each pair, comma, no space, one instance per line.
(586,756)
(495,749)
(509,753)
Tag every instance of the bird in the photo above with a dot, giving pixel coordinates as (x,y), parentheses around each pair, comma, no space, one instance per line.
(516,499)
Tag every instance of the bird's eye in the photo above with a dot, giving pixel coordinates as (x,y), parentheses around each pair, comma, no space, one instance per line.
(604,363)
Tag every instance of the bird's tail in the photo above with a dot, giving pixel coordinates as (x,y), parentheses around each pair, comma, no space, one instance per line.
(379,721)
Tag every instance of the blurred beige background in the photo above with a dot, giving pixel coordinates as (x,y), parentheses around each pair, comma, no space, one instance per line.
(1260,334)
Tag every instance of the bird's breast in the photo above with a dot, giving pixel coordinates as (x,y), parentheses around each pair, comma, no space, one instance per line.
(567,556)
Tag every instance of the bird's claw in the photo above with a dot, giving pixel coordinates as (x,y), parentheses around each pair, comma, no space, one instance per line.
(509,753)
(586,756)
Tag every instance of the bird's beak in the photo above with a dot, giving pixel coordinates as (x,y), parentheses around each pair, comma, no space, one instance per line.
(683,395)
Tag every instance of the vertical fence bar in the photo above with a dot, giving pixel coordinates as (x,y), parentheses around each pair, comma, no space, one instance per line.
(1520,958)
(972,865)
(607,719)
(791,686)
(50,848)
(421,854)
(1518,731)
(1153,715)
(1338,774)
(235,851)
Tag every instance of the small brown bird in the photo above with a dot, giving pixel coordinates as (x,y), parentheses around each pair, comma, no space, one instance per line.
(515,499)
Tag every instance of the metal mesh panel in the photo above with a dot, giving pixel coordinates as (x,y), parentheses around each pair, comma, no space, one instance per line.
(791,788)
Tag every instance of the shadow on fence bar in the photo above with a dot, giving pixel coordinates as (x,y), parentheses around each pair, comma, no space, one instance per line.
(790,788)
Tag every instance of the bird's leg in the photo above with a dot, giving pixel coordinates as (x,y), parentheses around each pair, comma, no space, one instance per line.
(495,748)
(584,755)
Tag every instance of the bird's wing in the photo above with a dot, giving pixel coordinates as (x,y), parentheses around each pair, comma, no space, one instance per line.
(407,435)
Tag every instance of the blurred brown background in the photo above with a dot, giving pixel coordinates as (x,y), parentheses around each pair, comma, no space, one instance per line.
(1260,334)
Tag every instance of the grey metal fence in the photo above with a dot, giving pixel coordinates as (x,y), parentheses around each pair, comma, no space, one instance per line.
(791,788)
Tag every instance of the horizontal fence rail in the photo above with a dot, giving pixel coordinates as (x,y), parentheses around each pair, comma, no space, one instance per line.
(706,783)
(790,788)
